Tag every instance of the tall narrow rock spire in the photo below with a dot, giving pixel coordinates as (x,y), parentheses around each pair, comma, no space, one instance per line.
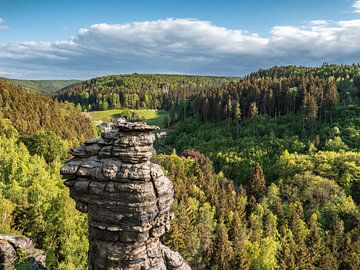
(127,199)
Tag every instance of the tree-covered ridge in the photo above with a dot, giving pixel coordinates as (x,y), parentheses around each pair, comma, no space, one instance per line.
(325,71)
(293,158)
(248,98)
(273,181)
(36,133)
(346,77)
(135,91)
(235,146)
(31,113)
(45,86)
(303,221)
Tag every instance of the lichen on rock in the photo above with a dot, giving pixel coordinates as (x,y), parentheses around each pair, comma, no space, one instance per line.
(127,199)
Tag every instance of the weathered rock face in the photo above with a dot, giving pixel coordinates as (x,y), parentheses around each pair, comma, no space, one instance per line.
(127,199)
(12,247)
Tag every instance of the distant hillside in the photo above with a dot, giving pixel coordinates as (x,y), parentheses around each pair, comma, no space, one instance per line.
(137,91)
(331,71)
(43,85)
(32,112)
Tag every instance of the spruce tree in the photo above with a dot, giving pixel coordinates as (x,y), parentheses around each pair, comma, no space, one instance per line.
(286,254)
(224,253)
(257,184)
(315,244)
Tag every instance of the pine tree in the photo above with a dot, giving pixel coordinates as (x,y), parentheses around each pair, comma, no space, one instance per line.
(352,256)
(331,98)
(335,243)
(300,232)
(286,254)
(241,257)
(237,116)
(314,243)
(257,184)
(253,110)
(310,107)
(238,236)
(237,111)
(224,253)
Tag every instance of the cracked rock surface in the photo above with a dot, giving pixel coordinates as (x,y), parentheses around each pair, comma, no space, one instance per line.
(13,247)
(127,199)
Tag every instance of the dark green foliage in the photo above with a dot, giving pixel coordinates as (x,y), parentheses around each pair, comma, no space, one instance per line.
(48,145)
(347,77)
(45,86)
(137,91)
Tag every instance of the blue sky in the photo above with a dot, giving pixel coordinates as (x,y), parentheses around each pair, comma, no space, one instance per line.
(83,39)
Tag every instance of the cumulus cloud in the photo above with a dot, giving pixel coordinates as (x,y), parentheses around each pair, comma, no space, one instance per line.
(356,6)
(2,24)
(181,46)
(319,22)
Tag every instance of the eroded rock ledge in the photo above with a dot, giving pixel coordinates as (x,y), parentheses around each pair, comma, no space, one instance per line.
(127,199)
(18,248)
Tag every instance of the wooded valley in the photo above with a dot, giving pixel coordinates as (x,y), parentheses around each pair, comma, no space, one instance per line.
(266,167)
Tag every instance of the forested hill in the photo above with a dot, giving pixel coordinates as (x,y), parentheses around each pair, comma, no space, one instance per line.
(280,90)
(346,77)
(275,91)
(269,176)
(285,145)
(337,72)
(36,133)
(45,86)
(135,91)
(31,112)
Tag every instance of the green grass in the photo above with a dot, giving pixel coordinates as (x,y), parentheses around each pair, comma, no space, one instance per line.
(152,117)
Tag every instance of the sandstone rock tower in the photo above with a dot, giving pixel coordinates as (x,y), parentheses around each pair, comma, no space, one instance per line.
(127,199)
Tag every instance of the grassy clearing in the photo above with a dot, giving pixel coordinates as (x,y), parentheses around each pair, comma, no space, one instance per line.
(152,117)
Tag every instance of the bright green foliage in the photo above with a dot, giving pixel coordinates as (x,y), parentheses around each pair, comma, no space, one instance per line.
(33,199)
(277,185)
(48,145)
(291,227)
(35,203)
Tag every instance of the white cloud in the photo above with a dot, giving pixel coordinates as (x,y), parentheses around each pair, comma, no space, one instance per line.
(182,46)
(319,22)
(356,6)
(2,24)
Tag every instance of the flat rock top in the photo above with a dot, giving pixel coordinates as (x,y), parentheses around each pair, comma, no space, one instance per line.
(134,127)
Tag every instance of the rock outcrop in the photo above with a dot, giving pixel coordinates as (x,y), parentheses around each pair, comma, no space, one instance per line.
(127,199)
(15,249)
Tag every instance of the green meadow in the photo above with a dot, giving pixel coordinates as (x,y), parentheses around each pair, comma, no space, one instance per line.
(152,117)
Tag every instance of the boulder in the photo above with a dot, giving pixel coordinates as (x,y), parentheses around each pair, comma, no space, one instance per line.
(15,248)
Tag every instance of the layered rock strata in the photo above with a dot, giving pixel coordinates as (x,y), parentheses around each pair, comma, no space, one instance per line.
(127,199)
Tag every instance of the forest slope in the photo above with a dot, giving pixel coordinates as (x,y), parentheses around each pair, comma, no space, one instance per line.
(267,174)
(45,86)
(136,91)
